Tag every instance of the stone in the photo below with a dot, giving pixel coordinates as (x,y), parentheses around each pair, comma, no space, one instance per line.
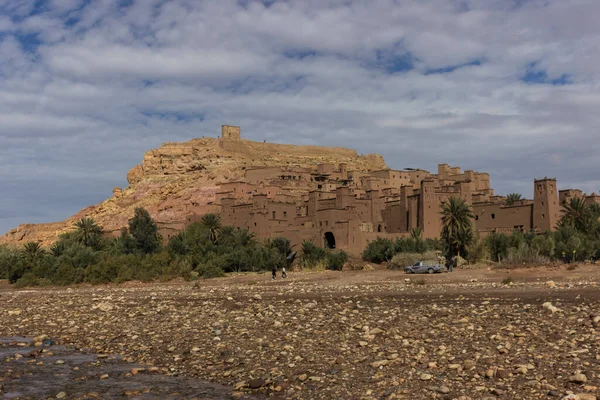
(551,284)
(586,396)
(256,383)
(502,373)
(426,377)
(61,395)
(578,378)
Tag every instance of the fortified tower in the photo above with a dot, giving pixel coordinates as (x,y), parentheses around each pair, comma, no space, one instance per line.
(230,132)
(546,208)
(429,217)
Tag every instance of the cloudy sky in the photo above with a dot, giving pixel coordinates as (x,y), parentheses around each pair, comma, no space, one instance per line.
(510,87)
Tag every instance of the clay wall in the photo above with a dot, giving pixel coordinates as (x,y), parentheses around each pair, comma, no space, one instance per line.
(566,194)
(325,168)
(498,217)
(261,175)
(592,199)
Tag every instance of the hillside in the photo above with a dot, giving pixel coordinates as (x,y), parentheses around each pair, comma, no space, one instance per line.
(177,178)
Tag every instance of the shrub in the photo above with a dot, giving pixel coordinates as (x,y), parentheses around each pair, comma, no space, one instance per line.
(311,254)
(67,274)
(28,279)
(403,260)
(478,251)
(209,270)
(507,281)
(524,255)
(498,244)
(336,260)
(8,257)
(380,250)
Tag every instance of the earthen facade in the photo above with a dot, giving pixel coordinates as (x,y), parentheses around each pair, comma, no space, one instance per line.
(335,207)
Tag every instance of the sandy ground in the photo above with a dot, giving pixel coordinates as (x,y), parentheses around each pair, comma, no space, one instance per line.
(338,335)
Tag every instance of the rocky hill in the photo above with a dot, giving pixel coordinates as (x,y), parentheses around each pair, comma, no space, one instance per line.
(178,177)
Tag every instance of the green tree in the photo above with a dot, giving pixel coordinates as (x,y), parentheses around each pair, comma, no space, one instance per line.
(144,231)
(512,198)
(57,248)
(577,214)
(212,222)
(32,252)
(457,227)
(88,232)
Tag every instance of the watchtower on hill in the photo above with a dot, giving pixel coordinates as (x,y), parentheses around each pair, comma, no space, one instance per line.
(230,132)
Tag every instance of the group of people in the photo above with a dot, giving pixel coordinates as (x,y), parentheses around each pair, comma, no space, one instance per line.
(283,273)
(289,260)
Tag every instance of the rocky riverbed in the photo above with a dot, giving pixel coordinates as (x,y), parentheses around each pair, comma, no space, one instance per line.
(420,338)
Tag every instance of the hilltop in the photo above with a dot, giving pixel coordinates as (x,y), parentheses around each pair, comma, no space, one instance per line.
(178,177)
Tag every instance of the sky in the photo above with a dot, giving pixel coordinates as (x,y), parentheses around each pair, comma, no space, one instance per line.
(509,87)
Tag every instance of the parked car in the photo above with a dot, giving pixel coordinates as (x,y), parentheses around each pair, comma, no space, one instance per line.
(424,267)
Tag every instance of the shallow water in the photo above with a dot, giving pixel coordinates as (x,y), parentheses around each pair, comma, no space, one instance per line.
(29,372)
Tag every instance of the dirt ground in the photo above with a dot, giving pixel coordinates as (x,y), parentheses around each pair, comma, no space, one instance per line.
(526,333)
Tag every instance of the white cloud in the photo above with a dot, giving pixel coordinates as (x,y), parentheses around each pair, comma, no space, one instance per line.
(115,81)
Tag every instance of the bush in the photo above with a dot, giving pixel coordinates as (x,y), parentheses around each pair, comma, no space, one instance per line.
(498,244)
(336,260)
(209,270)
(28,279)
(311,254)
(525,255)
(403,260)
(67,274)
(8,257)
(379,250)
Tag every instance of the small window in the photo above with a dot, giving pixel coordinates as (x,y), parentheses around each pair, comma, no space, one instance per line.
(493,216)
(284,214)
(320,223)
(477,218)
(543,216)
(255,224)
(326,223)
(274,214)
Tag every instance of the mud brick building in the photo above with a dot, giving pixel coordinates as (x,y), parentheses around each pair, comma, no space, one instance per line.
(335,207)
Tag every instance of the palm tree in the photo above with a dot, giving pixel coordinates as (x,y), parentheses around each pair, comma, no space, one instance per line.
(512,198)
(577,214)
(244,237)
(212,222)
(32,251)
(457,231)
(88,232)
(57,249)
(594,209)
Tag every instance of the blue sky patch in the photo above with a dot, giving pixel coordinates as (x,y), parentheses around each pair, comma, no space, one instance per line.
(394,63)
(535,75)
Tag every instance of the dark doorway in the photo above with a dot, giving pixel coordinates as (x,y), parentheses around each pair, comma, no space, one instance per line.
(379,228)
(329,240)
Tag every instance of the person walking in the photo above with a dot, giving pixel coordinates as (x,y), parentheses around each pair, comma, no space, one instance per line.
(283,273)
(274,271)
